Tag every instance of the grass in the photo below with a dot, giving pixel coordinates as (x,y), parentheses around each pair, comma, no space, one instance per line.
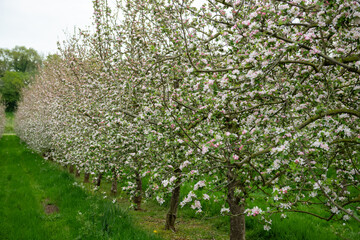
(29,183)
(9,126)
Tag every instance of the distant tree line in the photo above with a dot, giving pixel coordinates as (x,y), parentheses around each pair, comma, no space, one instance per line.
(18,67)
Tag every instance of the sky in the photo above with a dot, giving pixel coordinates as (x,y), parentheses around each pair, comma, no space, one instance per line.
(39,24)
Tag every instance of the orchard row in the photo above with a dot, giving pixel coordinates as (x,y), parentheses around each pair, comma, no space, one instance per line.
(249,99)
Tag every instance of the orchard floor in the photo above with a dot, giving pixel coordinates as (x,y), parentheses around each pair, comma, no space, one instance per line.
(40,201)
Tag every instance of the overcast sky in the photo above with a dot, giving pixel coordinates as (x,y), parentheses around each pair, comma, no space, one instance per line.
(39,24)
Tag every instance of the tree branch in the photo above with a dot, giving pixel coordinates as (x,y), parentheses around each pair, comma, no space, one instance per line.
(345,141)
(301,62)
(331,60)
(328,113)
(349,59)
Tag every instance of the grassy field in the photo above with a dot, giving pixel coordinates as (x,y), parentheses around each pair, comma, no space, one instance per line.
(40,201)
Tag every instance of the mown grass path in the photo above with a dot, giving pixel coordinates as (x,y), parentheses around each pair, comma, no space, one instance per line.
(28,184)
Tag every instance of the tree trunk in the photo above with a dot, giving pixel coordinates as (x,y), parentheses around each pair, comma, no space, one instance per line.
(138,193)
(71,168)
(114,183)
(77,173)
(98,181)
(86,177)
(174,204)
(237,209)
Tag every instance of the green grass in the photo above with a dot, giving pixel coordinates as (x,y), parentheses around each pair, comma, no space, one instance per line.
(28,183)
(9,126)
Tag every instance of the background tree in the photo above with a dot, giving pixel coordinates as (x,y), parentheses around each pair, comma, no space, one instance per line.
(10,88)
(18,67)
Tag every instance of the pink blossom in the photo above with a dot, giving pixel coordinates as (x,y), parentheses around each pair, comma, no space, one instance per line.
(199,184)
(206,197)
(205,149)
(254,211)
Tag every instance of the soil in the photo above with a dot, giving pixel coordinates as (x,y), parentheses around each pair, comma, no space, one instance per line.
(50,208)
